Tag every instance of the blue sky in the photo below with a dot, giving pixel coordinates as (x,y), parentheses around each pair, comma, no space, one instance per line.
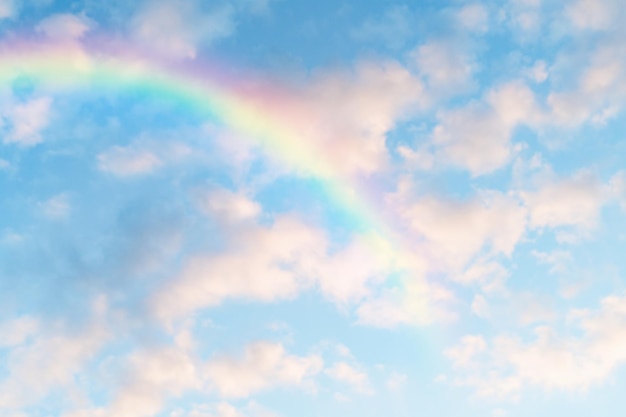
(158,260)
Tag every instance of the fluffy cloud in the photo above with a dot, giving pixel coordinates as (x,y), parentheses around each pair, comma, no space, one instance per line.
(348,374)
(585,356)
(574,201)
(177,28)
(445,65)
(265,264)
(27,120)
(272,262)
(124,161)
(8,9)
(65,26)
(478,137)
(593,14)
(56,207)
(228,206)
(151,377)
(335,123)
(16,331)
(394,27)
(263,365)
(49,362)
(455,231)
(473,17)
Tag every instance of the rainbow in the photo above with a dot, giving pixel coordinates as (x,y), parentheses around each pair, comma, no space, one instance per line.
(208,90)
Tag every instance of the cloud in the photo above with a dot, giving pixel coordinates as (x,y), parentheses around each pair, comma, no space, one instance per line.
(128,161)
(64,26)
(347,374)
(263,365)
(274,262)
(228,206)
(393,28)
(177,28)
(446,66)
(336,122)
(49,362)
(591,350)
(456,231)
(396,381)
(56,207)
(574,201)
(27,120)
(151,377)
(8,9)
(478,137)
(16,331)
(592,14)
(473,17)
(264,264)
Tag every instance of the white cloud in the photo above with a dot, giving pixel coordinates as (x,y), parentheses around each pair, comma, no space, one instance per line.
(445,64)
(8,9)
(177,28)
(264,365)
(126,161)
(456,231)
(473,17)
(264,264)
(268,263)
(16,331)
(51,361)
(480,306)
(347,374)
(151,378)
(558,260)
(396,381)
(65,26)
(56,207)
(228,206)
(574,201)
(394,27)
(587,355)
(592,14)
(27,120)
(478,137)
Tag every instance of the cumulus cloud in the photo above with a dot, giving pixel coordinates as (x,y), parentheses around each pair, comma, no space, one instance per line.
(177,28)
(51,360)
(65,26)
(8,9)
(478,137)
(574,201)
(268,263)
(56,207)
(151,377)
(592,14)
(348,374)
(228,206)
(16,331)
(127,161)
(591,350)
(27,121)
(337,121)
(394,27)
(456,231)
(262,366)
(473,17)
(445,64)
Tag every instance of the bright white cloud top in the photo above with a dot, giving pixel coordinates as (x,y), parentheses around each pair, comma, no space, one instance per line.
(285,208)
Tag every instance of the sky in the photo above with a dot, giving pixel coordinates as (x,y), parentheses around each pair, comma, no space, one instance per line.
(279,208)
